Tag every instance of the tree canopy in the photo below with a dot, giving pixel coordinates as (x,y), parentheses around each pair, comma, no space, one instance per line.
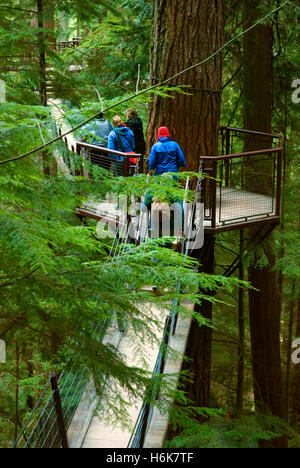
(59,279)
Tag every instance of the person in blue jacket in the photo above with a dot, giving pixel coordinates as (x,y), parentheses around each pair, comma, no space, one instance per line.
(97,132)
(166,155)
(121,138)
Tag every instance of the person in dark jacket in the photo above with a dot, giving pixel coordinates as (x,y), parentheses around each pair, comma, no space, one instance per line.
(166,155)
(134,122)
(97,132)
(121,138)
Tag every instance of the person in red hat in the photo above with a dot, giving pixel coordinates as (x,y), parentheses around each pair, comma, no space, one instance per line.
(166,155)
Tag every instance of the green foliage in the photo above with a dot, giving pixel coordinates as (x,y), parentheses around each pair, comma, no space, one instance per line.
(113,50)
(245,432)
(56,276)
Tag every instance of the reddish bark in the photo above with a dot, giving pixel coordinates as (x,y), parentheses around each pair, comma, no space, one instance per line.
(184,33)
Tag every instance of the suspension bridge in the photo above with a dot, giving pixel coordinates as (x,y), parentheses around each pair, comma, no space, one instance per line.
(241,189)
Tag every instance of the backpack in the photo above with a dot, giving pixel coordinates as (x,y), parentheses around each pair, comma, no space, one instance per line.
(133,160)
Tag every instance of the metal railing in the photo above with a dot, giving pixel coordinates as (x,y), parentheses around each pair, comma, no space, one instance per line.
(52,416)
(62,45)
(141,427)
(54,411)
(244,183)
(116,162)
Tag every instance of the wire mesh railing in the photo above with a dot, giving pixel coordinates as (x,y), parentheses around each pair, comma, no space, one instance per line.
(63,45)
(250,189)
(54,411)
(116,162)
(244,184)
(52,416)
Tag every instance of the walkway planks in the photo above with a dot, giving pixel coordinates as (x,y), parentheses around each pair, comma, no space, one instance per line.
(232,207)
(58,116)
(101,435)
(158,427)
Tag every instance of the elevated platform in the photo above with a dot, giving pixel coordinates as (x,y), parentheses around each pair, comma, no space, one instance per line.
(239,208)
(239,190)
(234,209)
(242,188)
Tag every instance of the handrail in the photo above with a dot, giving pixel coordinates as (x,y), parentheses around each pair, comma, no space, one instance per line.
(106,150)
(252,132)
(75,42)
(242,155)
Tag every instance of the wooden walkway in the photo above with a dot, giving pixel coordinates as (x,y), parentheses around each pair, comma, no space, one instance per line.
(58,115)
(99,433)
(102,435)
(233,206)
(239,205)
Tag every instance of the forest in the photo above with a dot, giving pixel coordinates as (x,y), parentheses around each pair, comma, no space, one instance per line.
(221,315)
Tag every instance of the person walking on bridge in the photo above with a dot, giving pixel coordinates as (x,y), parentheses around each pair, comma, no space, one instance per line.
(121,138)
(97,132)
(166,155)
(134,122)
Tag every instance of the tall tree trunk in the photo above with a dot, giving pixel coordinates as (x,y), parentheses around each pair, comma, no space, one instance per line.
(63,26)
(289,342)
(241,347)
(45,19)
(199,343)
(184,33)
(17,390)
(42,54)
(264,304)
(50,25)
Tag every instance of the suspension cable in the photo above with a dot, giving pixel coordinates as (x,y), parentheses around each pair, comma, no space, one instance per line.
(150,88)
